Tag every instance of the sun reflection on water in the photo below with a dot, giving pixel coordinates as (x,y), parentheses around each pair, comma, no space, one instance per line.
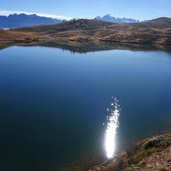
(111,129)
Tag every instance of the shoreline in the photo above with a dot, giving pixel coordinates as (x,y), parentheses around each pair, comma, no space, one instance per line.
(149,154)
(85,47)
(82,34)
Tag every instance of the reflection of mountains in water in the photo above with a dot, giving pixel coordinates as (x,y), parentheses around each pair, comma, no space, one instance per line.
(85,47)
(93,47)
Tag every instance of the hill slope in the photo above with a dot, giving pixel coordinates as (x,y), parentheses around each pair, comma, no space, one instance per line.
(154,33)
(81,24)
(151,154)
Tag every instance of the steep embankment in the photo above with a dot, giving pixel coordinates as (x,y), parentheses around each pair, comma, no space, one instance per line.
(152,154)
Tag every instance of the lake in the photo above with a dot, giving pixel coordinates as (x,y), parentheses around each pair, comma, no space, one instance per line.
(53,103)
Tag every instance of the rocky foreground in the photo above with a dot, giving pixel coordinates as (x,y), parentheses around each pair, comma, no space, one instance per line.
(151,154)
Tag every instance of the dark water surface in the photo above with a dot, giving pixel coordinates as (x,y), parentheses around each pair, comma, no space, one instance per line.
(53,102)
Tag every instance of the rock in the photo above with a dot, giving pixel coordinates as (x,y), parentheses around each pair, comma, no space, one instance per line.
(152,154)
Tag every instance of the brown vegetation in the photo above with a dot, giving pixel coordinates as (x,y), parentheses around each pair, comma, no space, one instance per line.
(152,154)
(155,32)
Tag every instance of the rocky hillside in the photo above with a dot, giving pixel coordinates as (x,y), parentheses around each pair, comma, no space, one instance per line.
(81,24)
(152,154)
(152,33)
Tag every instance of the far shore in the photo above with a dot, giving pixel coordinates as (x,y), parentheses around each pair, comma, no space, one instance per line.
(93,34)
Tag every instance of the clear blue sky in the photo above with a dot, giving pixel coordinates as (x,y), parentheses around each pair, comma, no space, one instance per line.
(138,9)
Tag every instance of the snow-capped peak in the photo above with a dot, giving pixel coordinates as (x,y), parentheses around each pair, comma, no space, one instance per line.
(7,13)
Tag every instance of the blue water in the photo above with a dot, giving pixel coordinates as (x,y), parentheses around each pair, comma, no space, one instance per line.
(53,103)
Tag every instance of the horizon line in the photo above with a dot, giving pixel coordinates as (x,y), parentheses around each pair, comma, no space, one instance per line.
(9,12)
(61,17)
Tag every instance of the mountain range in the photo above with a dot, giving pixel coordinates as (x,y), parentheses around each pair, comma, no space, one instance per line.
(83,33)
(17,20)
(111,18)
(25,20)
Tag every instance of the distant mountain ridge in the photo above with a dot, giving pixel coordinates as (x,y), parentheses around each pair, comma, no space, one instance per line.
(17,20)
(25,20)
(112,19)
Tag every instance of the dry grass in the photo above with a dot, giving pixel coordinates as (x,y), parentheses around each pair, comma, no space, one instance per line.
(155,32)
(150,154)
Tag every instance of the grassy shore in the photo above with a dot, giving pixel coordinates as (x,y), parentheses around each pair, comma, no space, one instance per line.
(76,33)
(151,154)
